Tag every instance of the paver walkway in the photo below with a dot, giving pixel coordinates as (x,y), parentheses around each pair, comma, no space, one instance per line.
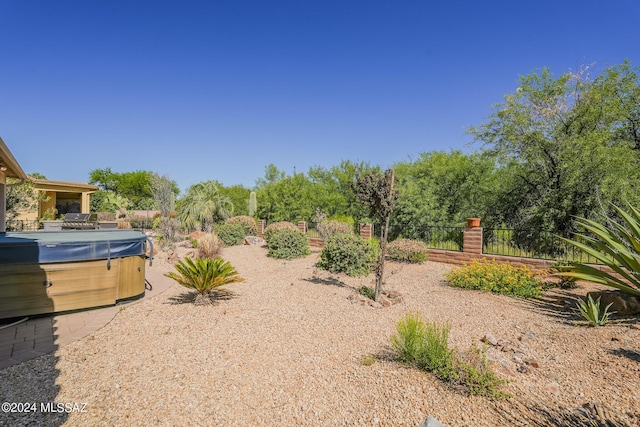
(44,334)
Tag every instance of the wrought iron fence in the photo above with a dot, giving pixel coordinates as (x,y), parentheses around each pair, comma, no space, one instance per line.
(22,225)
(530,244)
(435,236)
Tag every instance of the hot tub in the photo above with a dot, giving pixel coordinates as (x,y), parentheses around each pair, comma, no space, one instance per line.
(47,272)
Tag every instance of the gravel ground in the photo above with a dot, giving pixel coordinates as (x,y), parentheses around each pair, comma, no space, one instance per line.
(285,348)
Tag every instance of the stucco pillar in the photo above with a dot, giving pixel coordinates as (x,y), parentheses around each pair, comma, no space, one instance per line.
(85,202)
(3,202)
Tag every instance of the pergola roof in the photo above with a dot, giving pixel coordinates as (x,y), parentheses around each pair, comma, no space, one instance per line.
(13,169)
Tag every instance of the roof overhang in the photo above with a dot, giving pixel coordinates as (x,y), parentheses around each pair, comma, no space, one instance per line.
(63,186)
(9,163)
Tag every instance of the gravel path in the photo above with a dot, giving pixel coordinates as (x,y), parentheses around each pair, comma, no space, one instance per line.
(286,347)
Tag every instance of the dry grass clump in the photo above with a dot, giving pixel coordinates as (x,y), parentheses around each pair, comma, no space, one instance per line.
(249,224)
(330,228)
(277,226)
(210,246)
(408,250)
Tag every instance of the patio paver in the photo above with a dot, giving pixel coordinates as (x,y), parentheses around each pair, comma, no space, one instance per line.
(45,334)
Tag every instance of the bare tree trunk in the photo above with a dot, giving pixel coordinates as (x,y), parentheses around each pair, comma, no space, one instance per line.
(383,247)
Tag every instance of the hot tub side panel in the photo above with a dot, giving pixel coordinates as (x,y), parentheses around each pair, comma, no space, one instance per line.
(29,289)
(131,282)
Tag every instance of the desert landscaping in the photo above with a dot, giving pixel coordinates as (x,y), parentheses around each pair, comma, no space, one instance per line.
(296,345)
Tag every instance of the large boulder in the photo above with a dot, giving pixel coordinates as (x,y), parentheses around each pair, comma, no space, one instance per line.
(622,303)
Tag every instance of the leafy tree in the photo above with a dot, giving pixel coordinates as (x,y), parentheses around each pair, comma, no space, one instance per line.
(271,176)
(134,186)
(289,199)
(239,196)
(22,197)
(203,205)
(442,188)
(375,190)
(566,148)
(163,192)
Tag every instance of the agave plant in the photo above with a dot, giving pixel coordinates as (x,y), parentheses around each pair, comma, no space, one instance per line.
(203,276)
(590,310)
(617,247)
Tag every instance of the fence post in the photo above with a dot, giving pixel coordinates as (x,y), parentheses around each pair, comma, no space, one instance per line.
(261,226)
(366,230)
(302,226)
(472,240)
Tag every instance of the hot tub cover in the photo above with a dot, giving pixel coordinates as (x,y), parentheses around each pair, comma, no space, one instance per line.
(67,246)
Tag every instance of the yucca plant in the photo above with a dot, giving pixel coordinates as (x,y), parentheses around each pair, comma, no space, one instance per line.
(203,276)
(590,310)
(617,247)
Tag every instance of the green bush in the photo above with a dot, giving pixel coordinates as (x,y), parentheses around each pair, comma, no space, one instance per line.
(248,224)
(427,347)
(368,292)
(204,276)
(498,278)
(288,244)
(349,254)
(408,250)
(231,234)
(276,226)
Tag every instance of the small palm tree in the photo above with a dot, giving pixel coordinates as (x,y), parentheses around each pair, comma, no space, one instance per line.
(203,276)
(203,204)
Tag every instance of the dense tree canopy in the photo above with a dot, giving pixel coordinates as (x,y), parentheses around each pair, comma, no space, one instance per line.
(566,145)
(135,187)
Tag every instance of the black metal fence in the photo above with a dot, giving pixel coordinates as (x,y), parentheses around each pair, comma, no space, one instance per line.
(22,225)
(435,236)
(529,244)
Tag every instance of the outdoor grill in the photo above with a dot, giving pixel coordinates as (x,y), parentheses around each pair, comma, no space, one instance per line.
(79,221)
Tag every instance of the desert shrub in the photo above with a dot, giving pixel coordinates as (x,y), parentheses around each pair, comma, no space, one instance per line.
(209,246)
(426,345)
(248,224)
(349,254)
(368,292)
(203,276)
(330,228)
(288,244)
(272,228)
(497,278)
(408,250)
(231,234)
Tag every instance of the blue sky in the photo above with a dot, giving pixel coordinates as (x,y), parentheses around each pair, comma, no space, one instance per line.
(202,90)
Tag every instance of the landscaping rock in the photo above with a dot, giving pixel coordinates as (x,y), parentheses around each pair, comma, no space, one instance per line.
(489,339)
(197,235)
(622,303)
(431,422)
(254,241)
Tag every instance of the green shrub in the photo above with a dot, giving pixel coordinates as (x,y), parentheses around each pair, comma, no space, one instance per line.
(349,254)
(248,224)
(203,276)
(231,234)
(497,278)
(408,250)
(368,292)
(427,347)
(327,229)
(288,244)
(476,375)
(590,310)
(272,228)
